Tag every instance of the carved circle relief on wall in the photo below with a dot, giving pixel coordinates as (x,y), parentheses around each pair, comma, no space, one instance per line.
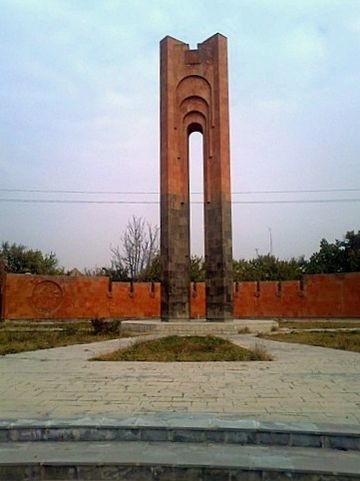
(47,296)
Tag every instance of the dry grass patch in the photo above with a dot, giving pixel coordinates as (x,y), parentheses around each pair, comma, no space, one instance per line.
(318,324)
(30,337)
(348,341)
(186,349)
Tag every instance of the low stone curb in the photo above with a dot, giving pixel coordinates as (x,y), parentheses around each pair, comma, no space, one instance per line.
(184,429)
(173,461)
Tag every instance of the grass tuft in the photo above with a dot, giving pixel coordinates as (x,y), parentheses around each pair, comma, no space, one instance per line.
(244,330)
(186,349)
(261,354)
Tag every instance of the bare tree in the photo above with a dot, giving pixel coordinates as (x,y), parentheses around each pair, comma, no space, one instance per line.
(139,247)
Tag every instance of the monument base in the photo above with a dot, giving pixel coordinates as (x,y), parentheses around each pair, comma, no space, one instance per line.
(201,327)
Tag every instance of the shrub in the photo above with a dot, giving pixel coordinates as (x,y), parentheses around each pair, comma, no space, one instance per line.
(103,326)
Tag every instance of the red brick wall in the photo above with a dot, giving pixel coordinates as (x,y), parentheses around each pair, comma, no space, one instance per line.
(2,288)
(197,300)
(62,297)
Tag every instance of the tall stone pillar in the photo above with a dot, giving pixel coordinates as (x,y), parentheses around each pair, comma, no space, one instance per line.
(194,98)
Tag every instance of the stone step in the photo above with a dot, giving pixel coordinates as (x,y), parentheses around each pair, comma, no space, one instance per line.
(150,461)
(173,427)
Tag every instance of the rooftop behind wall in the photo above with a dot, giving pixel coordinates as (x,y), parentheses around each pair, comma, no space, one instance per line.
(63,297)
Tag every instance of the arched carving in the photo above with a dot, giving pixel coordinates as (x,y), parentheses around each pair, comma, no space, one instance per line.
(200,91)
(194,83)
(194,117)
(191,101)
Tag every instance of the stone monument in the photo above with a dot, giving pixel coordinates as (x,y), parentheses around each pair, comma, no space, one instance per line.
(194,98)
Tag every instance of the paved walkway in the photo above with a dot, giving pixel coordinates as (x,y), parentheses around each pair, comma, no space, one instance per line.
(303,383)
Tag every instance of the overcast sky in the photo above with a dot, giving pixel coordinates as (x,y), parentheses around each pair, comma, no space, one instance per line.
(79,110)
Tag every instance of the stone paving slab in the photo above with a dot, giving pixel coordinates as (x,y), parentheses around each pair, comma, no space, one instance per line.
(303,384)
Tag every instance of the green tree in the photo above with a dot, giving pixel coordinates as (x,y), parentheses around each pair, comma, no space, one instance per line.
(268,268)
(336,257)
(197,269)
(243,271)
(18,259)
(117,272)
(152,273)
(352,249)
